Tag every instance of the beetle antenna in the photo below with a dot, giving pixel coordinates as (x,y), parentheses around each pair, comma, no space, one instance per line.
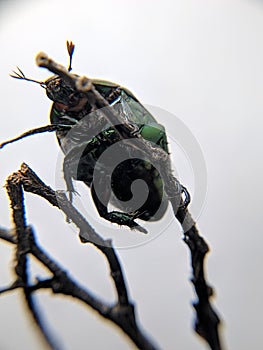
(21,75)
(70,48)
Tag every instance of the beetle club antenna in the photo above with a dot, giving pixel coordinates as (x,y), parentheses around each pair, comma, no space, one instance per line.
(70,48)
(21,75)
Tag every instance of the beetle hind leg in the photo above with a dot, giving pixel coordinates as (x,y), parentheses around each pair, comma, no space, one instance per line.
(116,217)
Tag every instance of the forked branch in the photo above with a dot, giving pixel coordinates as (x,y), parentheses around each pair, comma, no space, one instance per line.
(121,313)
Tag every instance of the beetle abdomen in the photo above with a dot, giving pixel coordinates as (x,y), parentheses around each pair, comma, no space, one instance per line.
(150,188)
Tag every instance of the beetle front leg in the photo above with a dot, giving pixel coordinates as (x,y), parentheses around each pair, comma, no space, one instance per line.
(116,217)
(67,165)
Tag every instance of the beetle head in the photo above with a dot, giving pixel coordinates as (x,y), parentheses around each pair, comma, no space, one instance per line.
(59,91)
(56,88)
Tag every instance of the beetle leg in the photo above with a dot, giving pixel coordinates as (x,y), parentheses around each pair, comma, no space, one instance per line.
(68,179)
(117,217)
(187,198)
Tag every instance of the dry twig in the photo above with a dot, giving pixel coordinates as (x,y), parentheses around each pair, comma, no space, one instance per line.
(122,313)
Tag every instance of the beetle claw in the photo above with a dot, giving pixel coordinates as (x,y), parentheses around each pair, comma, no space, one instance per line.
(71,194)
(139,228)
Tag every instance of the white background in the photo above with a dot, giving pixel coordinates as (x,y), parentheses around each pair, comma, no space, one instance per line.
(199,60)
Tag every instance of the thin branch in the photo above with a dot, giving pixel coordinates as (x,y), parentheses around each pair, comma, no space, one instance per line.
(33,184)
(15,193)
(121,314)
(207,321)
(7,235)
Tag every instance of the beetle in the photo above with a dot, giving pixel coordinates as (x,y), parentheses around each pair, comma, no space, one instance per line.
(84,136)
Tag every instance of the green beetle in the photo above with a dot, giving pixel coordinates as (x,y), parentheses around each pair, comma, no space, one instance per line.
(83,147)
(85,137)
